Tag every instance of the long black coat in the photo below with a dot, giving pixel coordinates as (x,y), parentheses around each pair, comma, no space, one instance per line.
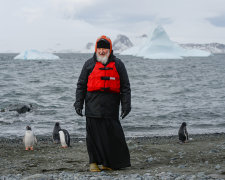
(100,104)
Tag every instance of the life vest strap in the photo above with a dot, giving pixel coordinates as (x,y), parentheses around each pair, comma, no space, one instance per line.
(105,89)
(106,68)
(107,78)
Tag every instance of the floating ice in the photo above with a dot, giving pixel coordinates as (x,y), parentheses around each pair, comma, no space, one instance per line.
(35,55)
(159,46)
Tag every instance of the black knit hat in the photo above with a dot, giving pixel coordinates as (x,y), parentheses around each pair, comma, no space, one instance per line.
(103,43)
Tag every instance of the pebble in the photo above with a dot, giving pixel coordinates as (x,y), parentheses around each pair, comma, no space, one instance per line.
(191,177)
(201,175)
(213,151)
(150,159)
(181,166)
(181,177)
(36,177)
(110,176)
(217,167)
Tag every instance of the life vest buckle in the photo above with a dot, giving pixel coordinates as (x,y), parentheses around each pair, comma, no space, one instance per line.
(106,68)
(105,78)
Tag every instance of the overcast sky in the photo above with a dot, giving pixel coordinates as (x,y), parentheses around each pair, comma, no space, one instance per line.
(71,24)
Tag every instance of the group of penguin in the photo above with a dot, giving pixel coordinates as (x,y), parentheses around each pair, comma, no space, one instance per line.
(59,136)
(62,136)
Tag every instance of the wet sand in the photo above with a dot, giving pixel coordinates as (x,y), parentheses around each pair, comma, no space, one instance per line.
(154,155)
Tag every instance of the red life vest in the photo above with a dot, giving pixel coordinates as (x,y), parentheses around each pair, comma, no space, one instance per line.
(104,78)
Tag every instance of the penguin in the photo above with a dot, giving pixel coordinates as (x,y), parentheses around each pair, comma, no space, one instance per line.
(55,134)
(182,133)
(29,139)
(64,138)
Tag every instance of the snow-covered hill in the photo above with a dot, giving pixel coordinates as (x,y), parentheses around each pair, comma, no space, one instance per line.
(121,43)
(215,48)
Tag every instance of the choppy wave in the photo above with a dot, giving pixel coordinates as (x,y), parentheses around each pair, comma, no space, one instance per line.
(164,94)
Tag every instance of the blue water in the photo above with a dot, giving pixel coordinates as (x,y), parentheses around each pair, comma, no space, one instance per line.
(164,94)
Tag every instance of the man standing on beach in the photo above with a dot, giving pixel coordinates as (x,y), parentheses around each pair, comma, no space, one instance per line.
(103,84)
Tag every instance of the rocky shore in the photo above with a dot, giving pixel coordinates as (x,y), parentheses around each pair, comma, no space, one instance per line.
(151,157)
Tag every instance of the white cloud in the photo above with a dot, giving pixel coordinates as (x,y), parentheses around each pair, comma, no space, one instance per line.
(32,14)
(49,24)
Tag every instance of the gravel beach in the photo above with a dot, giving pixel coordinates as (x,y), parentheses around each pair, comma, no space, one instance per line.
(203,157)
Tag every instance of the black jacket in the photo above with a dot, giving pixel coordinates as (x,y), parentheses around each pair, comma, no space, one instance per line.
(103,104)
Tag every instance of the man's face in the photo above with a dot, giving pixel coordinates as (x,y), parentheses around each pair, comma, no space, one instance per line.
(102,55)
(102,52)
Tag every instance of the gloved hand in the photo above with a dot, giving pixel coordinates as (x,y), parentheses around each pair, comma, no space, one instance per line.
(79,111)
(124,113)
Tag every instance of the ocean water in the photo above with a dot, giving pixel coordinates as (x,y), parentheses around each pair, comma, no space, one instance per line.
(165,93)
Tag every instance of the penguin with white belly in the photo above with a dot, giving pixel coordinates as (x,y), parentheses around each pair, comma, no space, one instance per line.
(29,139)
(64,138)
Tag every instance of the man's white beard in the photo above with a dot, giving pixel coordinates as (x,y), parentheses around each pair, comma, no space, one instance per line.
(103,59)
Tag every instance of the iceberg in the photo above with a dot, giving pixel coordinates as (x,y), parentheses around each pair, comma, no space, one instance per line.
(35,55)
(159,46)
